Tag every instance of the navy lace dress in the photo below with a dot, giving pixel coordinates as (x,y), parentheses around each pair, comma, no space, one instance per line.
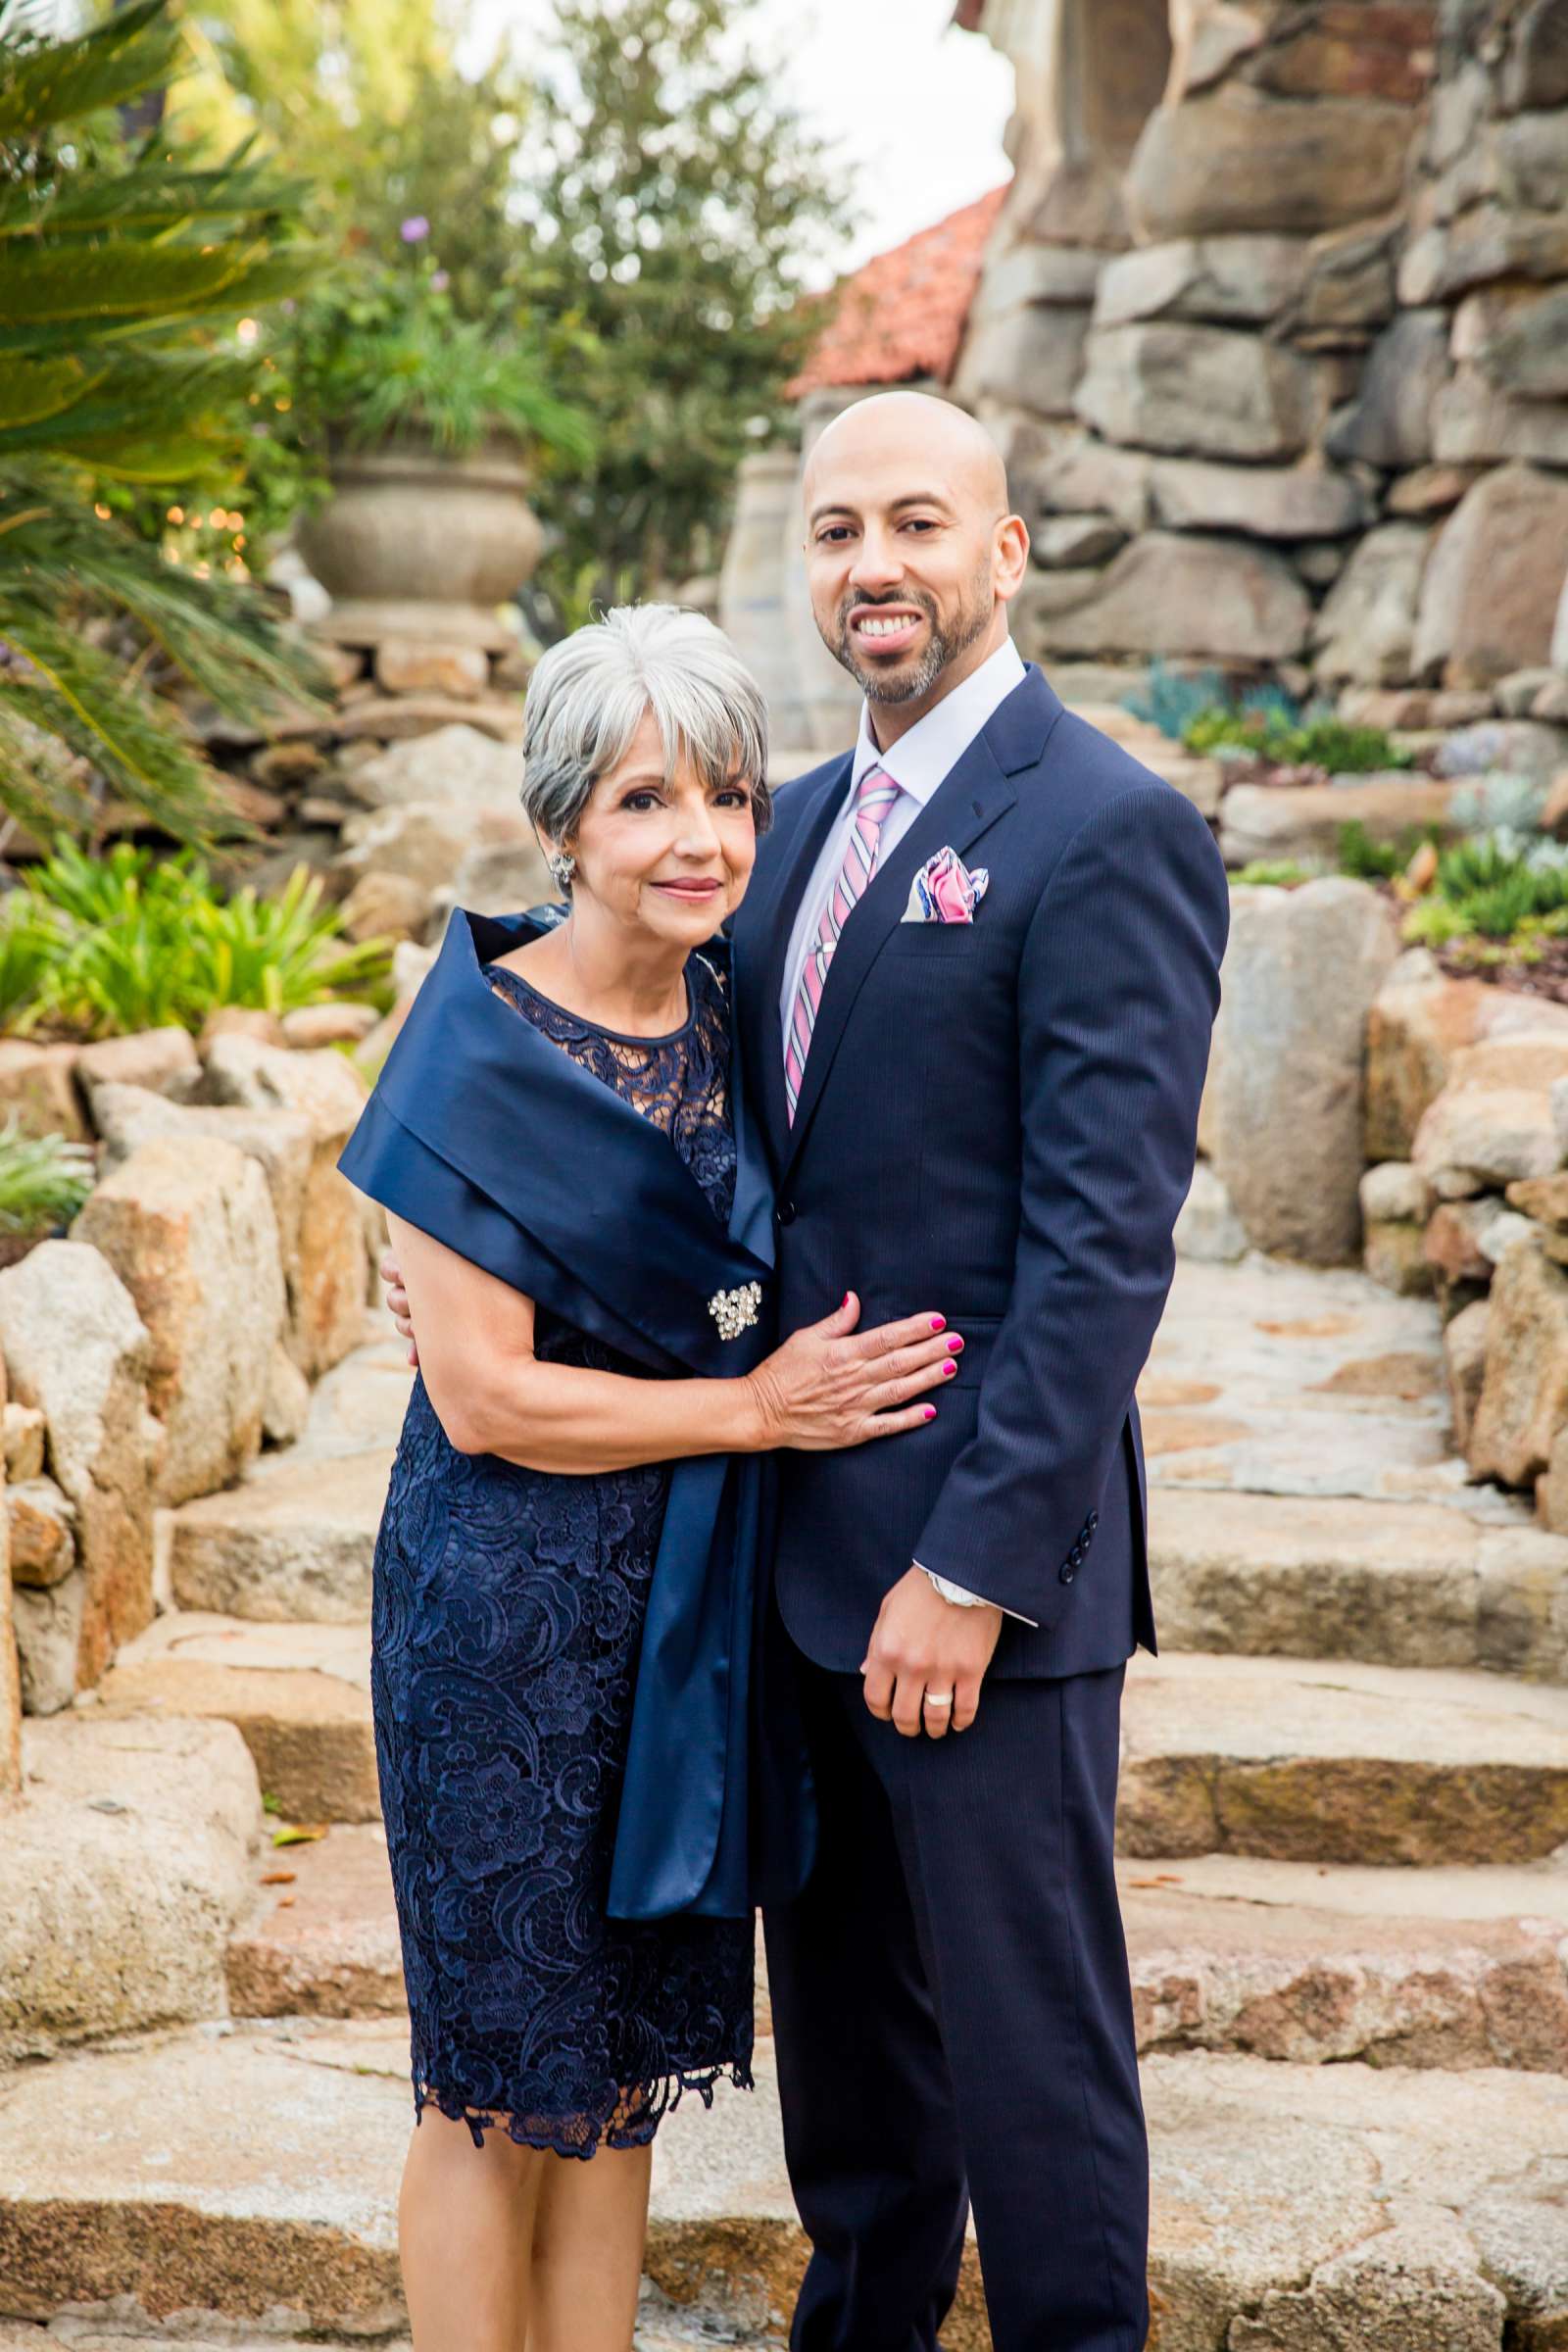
(506,1616)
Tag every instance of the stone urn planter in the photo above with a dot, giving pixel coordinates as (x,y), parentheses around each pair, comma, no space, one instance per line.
(413,543)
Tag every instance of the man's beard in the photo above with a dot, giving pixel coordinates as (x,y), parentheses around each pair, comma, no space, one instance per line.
(944,647)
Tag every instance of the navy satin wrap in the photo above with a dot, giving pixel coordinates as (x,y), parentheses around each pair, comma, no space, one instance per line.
(484,1134)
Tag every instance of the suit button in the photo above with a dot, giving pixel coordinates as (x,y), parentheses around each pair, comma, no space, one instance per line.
(1066,1572)
(1093,1521)
(786,1213)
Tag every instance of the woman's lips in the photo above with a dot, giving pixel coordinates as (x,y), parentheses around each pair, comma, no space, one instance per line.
(689,889)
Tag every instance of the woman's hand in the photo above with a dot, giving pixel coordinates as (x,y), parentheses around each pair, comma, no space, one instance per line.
(831,1385)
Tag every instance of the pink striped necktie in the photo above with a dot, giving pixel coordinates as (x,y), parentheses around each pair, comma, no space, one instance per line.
(875,797)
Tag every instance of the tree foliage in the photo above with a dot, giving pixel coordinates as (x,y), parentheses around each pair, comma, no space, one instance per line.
(122,270)
(678,201)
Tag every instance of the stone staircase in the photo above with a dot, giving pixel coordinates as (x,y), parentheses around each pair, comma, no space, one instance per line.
(1343,1862)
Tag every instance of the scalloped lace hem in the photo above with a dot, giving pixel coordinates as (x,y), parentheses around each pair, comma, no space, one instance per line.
(630,2123)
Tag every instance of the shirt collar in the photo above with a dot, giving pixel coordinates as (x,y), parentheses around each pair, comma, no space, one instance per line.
(922,758)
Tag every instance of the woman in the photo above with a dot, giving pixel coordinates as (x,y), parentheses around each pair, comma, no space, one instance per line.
(567,1640)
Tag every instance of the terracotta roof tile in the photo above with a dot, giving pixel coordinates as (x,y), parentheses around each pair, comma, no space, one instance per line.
(903,313)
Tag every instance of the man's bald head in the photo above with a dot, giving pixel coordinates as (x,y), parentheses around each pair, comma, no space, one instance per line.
(913,430)
(910,552)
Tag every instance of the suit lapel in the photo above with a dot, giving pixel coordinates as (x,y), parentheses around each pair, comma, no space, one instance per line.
(762,930)
(968,801)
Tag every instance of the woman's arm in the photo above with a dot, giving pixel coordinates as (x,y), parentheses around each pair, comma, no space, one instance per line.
(828,1386)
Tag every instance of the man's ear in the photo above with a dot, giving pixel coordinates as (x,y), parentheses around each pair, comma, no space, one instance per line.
(1012,564)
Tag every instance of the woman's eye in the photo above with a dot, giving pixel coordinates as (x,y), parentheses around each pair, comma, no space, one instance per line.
(641,801)
(733,796)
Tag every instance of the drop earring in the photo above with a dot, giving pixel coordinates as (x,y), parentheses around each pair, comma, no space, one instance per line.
(563,866)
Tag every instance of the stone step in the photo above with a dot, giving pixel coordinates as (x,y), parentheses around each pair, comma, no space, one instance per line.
(298,1695)
(294,1540)
(321,1936)
(1307,1962)
(1340,1761)
(248,2178)
(1396,1583)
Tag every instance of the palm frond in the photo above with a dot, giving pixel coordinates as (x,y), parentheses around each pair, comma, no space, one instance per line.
(60,81)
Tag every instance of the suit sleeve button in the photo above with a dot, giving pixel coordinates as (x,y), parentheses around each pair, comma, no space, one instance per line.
(1066,1572)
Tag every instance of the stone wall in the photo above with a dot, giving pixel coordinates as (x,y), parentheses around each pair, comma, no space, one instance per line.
(1274,327)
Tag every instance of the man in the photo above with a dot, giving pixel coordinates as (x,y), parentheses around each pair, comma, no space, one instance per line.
(998,1114)
(976,973)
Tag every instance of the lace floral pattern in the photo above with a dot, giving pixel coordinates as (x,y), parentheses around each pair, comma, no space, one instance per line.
(507,1609)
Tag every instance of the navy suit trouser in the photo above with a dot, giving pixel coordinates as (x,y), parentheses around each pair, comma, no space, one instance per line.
(954,2020)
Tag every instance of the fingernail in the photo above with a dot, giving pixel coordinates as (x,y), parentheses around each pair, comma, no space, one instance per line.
(939,1322)
(948,1369)
(843,1301)
(930,1412)
(955,1345)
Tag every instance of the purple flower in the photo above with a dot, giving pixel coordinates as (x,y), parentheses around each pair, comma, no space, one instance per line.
(415,230)
(439,281)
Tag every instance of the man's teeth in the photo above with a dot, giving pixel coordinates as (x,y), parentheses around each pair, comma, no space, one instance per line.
(884,628)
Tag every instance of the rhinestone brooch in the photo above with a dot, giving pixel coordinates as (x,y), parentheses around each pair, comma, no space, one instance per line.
(735,1311)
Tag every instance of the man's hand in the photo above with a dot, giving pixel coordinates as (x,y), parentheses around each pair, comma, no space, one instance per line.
(925,1650)
(397,1299)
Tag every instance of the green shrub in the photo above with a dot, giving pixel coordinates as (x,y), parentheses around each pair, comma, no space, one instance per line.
(44,1179)
(1369,860)
(1495,886)
(1314,739)
(1171,702)
(141,944)
(1279,872)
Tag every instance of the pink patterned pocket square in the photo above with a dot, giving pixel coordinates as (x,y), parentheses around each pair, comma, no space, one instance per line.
(944,891)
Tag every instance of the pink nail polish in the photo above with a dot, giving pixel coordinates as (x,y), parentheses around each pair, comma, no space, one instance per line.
(948,1369)
(955,1345)
(930,1412)
(939,1322)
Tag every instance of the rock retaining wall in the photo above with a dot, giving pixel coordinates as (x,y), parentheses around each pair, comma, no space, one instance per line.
(1273,326)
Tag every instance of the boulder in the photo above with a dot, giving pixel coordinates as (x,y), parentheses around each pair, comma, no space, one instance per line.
(286,1404)
(1534,71)
(1419,1024)
(326,1269)
(1219,281)
(1464,1352)
(1430,490)
(1283,1110)
(1201,390)
(1527,354)
(75,1347)
(1030,357)
(311,1026)
(48,1621)
(1393,1256)
(1479,1137)
(1453,1239)
(9,1677)
(1353,49)
(426,840)
(1305,820)
(1484,243)
(1524,1384)
(42,1524)
(1268,502)
(453,765)
(187,1224)
(402,718)
(1365,634)
(1532,164)
(414,665)
(1236,161)
(383,905)
(1207,1227)
(1168,594)
(126,1872)
(1389,422)
(505,881)
(22,1440)
(1395,1193)
(164,1061)
(1349,285)
(37,1088)
(1067,542)
(1491,591)
(1473,424)
(1086,476)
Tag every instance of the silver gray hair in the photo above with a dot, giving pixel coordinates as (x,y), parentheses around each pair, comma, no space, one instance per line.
(589,695)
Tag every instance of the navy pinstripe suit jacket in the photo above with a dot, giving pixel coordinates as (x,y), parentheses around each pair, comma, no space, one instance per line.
(997,1122)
